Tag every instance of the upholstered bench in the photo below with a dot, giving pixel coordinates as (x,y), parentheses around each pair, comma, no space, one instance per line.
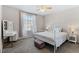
(39,44)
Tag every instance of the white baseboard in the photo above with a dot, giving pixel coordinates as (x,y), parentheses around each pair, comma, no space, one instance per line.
(23,38)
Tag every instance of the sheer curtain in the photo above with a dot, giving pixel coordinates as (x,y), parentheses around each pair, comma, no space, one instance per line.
(28,23)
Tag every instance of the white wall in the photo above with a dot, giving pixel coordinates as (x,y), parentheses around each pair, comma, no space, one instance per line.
(70,16)
(40,23)
(11,14)
(65,18)
(0,29)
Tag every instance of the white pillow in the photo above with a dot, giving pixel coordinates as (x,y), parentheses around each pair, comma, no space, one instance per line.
(57,29)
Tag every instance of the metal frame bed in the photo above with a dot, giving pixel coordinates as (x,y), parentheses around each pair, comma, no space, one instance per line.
(55,39)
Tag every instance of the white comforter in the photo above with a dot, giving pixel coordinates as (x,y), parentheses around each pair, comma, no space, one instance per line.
(48,37)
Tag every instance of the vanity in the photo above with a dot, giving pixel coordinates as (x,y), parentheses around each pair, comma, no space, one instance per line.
(9,35)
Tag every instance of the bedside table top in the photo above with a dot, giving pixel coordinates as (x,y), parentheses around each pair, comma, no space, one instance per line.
(72,35)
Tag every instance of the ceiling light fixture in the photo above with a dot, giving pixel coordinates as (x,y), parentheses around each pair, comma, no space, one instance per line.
(45,8)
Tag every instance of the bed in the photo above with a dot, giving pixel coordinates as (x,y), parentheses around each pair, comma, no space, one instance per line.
(56,39)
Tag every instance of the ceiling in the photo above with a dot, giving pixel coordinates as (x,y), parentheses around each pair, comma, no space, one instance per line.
(34,8)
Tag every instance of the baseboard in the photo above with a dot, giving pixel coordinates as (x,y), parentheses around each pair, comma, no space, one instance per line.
(23,38)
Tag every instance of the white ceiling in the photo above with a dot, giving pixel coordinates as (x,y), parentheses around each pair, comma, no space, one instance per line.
(33,8)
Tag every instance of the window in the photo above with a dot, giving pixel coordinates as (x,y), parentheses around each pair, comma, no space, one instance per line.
(28,23)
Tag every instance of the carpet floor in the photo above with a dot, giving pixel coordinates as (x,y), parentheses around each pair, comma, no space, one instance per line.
(27,46)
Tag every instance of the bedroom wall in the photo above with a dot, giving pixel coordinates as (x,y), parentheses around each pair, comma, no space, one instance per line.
(40,23)
(64,18)
(12,14)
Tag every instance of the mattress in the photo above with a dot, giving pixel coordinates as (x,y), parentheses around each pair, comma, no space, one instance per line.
(49,37)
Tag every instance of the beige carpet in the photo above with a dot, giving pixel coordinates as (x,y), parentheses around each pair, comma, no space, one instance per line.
(27,46)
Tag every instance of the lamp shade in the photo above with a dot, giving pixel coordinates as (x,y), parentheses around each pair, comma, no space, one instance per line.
(72,29)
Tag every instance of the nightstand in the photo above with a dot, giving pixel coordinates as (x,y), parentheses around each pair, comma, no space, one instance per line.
(73,38)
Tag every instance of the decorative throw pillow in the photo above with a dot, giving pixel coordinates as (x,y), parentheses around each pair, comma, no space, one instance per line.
(56,28)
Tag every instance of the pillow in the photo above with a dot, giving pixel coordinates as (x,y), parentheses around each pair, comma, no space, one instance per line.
(56,28)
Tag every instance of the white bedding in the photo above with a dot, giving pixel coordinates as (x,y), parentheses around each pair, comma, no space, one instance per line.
(48,37)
